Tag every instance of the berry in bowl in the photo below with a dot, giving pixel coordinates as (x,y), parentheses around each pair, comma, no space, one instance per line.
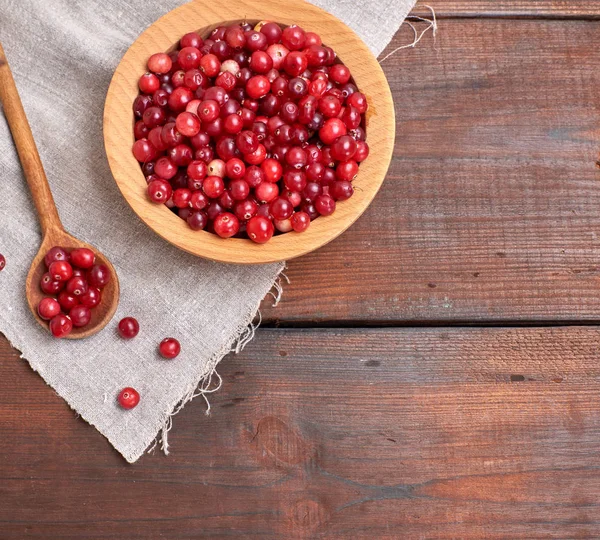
(251,141)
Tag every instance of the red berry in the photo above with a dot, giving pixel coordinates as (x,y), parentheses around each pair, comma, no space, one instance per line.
(149,83)
(77,286)
(159,191)
(233,124)
(179,99)
(197,170)
(213,186)
(169,348)
(293,37)
(312,39)
(295,63)
(197,221)
(258,86)
(331,130)
(281,208)
(341,190)
(128,398)
(300,221)
(98,276)
(187,124)
(83,258)
(60,271)
(325,205)
(343,148)
(339,73)
(192,39)
(48,308)
(226,225)
(49,285)
(210,65)
(68,301)
(189,58)
(260,229)
(272,169)
(359,101)
(261,62)
(266,191)
(128,328)
(329,106)
(2,262)
(160,63)
(239,190)
(346,170)
(272,32)
(60,326)
(154,116)
(362,151)
(80,316)
(91,298)
(56,254)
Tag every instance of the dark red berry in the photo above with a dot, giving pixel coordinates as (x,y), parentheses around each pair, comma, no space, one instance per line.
(48,308)
(169,348)
(68,301)
(83,258)
(260,229)
(128,327)
(60,326)
(128,398)
(60,271)
(80,316)
(55,254)
(98,276)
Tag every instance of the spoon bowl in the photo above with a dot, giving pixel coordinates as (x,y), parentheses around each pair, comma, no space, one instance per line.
(102,313)
(53,231)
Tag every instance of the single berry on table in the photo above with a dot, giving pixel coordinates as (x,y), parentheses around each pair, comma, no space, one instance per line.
(128,327)
(128,398)
(169,348)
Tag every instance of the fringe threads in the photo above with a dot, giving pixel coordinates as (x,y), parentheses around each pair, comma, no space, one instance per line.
(204,387)
(431,25)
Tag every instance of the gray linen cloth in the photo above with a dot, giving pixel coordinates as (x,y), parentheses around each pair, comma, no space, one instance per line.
(63,54)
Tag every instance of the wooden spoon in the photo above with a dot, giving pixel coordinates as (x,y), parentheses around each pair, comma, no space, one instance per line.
(53,231)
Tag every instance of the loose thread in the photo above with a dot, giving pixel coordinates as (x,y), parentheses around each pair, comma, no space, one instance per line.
(432,25)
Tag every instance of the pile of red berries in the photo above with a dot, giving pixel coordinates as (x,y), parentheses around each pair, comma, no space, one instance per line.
(75,282)
(252,130)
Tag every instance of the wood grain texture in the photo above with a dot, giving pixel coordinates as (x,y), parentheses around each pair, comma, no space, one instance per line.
(400,433)
(576,9)
(490,210)
(52,228)
(161,36)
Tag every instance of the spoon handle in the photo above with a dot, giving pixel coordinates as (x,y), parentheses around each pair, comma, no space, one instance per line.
(28,154)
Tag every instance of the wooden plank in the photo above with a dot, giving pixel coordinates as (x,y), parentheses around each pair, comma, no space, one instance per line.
(491,207)
(397,433)
(579,9)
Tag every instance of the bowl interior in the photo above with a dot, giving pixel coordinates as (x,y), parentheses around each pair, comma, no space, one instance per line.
(164,35)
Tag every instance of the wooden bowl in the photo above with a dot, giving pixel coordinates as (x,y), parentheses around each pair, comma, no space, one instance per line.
(202,17)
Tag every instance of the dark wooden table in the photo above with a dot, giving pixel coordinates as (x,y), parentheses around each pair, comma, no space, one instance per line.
(434,373)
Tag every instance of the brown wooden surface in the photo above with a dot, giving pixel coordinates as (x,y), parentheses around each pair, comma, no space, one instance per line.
(398,433)
(489,214)
(490,209)
(512,8)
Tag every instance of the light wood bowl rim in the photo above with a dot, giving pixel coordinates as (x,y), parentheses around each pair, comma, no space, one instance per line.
(162,35)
